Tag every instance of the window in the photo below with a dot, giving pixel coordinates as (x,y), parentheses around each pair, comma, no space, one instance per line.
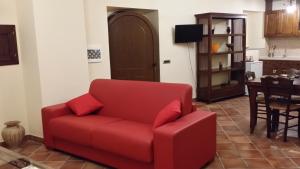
(8,45)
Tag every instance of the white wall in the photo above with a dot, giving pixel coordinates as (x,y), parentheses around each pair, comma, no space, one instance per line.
(12,94)
(55,66)
(170,13)
(62,49)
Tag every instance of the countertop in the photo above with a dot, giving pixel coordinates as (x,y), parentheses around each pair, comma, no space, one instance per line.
(289,58)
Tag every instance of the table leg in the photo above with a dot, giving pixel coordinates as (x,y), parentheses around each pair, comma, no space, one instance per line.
(253,108)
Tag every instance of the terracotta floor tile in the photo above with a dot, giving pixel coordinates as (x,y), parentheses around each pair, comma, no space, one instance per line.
(228,154)
(89,165)
(292,153)
(296,161)
(57,156)
(216,164)
(269,153)
(73,165)
(233,164)
(258,164)
(225,146)
(54,164)
(240,139)
(40,156)
(250,154)
(283,163)
(245,146)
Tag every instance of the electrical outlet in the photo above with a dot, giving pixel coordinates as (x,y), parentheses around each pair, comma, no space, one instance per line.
(167,61)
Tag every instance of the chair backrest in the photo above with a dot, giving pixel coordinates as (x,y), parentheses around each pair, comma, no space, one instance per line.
(293,72)
(279,87)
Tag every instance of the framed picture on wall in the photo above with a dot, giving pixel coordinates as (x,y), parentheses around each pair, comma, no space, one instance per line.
(94,54)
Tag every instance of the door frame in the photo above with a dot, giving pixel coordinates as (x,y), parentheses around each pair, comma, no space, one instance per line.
(115,16)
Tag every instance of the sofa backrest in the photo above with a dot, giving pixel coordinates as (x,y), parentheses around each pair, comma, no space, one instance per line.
(137,100)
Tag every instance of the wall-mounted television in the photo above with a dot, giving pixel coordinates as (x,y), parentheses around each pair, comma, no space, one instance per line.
(188,33)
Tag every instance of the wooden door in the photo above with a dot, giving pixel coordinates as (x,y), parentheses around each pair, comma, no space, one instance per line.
(271,23)
(133,47)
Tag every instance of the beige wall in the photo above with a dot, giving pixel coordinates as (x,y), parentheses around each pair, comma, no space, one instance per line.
(170,13)
(62,50)
(12,95)
(55,60)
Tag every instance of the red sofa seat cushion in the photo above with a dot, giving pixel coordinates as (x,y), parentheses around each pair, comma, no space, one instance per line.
(84,104)
(78,129)
(126,138)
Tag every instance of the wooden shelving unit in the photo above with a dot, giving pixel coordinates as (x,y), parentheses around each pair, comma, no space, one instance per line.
(215,82)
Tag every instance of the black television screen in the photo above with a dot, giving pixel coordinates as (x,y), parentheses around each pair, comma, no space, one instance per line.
(188,33)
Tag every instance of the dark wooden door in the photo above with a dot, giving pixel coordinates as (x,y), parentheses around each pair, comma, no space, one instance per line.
(133,47)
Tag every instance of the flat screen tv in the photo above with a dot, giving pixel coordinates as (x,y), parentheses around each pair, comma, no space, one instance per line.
(188,33)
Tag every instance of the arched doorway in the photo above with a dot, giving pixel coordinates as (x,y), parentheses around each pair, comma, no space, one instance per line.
(133,44)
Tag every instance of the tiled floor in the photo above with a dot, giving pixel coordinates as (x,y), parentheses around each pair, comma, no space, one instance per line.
(236,148)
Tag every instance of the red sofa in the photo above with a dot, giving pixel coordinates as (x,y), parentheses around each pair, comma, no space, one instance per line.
(121,134)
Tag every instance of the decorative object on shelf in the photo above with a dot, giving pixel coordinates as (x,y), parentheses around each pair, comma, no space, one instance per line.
(230,47)
(228,29)
(13,134)
(215,47)
(220,66)
(213,30)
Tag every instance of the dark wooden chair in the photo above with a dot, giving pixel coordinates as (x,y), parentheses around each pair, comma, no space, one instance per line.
(260,99)
(294,73)
(282,89)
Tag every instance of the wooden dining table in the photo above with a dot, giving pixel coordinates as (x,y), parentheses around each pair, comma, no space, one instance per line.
(255,86)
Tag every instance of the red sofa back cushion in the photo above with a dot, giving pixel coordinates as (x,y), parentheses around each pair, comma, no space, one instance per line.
(137,100)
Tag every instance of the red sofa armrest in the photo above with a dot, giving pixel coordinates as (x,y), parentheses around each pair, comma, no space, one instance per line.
(49,113)
(188,143)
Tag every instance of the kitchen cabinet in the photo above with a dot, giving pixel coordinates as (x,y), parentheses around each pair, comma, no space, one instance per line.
(279,23)
(271,23)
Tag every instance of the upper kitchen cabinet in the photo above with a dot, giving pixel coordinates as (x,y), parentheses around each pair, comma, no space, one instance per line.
(279,23)
(271,23)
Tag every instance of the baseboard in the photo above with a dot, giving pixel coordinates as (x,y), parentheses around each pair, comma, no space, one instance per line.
(34,138)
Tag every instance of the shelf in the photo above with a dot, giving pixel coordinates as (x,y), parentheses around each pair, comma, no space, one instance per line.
(225,69)
(214,84)
(222,53)
(224,35)
(225,86)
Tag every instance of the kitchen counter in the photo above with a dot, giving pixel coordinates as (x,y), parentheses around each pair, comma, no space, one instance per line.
(291,58)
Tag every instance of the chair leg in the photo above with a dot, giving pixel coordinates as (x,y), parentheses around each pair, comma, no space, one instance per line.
(275,120)
(286,125)
(299,124)
(269,124)
(255,119)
